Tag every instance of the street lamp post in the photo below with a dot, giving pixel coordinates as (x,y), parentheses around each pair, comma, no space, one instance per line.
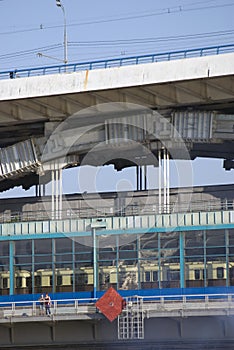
(59,4)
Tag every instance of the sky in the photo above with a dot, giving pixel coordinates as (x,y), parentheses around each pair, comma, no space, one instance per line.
(107,29)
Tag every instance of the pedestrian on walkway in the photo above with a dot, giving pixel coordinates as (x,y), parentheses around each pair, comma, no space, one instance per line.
(47,304)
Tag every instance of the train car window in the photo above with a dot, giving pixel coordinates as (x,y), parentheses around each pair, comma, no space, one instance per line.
(28,282)
(231,272)
(197,274)
(147,276)
(18,282)
(220,272)
(155,276)
(37,281)
(4,283)
(51,280)
(81,278)
(59,280)
(107,278)
(173,275)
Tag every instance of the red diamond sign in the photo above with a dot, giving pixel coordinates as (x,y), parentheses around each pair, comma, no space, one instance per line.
(110,304)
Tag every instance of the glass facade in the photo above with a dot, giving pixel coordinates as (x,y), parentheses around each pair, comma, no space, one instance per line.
(153,260)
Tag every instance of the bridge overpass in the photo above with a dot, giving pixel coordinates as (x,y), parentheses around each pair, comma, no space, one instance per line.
(165,322)
(145,110)
(191,92)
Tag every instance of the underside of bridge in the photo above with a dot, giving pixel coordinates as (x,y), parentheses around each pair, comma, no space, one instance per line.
(160,105)
(160,333)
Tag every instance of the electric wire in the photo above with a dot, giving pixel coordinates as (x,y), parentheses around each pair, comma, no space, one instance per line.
(164,11)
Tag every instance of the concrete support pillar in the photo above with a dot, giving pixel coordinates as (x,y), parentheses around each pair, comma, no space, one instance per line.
(163,167)
(56,193)
(141,176)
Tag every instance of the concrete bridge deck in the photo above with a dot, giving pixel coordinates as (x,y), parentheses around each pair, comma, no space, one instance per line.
(205,81)
(178,324)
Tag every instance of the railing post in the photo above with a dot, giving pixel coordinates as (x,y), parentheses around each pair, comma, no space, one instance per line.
(34,308)
(55,307)
(76,306)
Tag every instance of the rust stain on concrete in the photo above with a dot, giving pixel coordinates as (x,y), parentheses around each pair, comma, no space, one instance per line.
(86,79)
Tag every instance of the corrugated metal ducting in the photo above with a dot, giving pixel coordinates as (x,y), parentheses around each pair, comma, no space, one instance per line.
(193,125)
(18,158)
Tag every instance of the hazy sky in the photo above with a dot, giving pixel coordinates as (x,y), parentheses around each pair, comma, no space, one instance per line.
(107,29)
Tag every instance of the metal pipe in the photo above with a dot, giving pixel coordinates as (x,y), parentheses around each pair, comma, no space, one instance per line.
(159,182)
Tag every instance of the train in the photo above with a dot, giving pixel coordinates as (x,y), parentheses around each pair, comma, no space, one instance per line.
(126,277)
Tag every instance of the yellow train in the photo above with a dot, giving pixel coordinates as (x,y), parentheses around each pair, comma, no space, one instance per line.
(126,277)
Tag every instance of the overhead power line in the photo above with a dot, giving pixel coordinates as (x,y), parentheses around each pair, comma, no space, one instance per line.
(123,43)
(134,41)
(196,6)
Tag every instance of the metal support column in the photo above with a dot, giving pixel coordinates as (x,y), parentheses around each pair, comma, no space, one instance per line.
(57,192)
(94,262)
(164,180)
(182,267)
(159,182)
(11,266)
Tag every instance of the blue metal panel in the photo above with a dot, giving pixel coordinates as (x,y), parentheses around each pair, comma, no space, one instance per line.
(125,293)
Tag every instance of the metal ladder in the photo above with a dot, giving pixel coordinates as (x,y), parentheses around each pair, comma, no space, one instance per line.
(131,320)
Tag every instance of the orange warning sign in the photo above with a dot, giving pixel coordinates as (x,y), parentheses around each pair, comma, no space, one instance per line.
(110,304)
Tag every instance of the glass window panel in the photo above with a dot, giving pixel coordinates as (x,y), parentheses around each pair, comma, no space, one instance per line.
(215,251)
(64,278)
(231,237)
(215,238)
(21,260)
(63,257)
(43,259)
(23,247)
(127,255)
(149,274)
(194,239)
(194,273)
(23,279)
(43,266)
(43,246)
(194,252)
(128,277)
(107,256)
(82,248)
(4,261)
(127,242)
(83,276)
(63,245)
(4,249)
(170,275)
(148,254)
(169,240)
(107,277)
(107,242)
(149,241)
(84,256)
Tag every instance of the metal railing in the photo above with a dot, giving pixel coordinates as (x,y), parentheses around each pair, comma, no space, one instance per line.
(152,306)
(116,62)
(130,210)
